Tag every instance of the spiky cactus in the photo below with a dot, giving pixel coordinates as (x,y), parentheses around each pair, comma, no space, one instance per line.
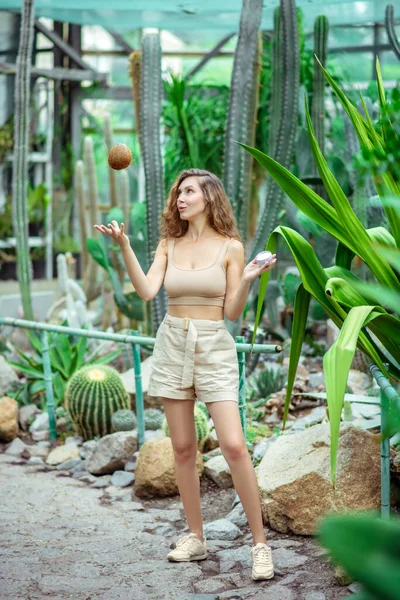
(389,24)
(150,113)
(242,113)
(112,174)
(80,201)
(201,425)
(153,419)
(124,420)
(93,395)
(321,30)
(90,285)
(135,71)
(21,150)
(288,66)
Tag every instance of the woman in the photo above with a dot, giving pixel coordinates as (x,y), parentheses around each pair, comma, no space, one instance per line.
(200,260)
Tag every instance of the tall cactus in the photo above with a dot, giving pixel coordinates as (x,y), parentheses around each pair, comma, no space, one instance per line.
(21,150)
(289,68)
(81,201)
(150,113)
(242,113)
(321,29)
(135,71)
(112,174)
(124,191)
(90,285)
(389,24)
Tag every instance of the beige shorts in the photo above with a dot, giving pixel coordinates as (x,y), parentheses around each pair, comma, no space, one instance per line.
(194,358)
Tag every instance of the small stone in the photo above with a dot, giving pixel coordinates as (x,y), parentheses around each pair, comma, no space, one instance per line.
(39,436)
(61,454)
(356,587)
(102,482)
(16,447)
(87,478)
(122,478)
(130,465)
(70,463)
(41,423)
(315,596)
(222,529)
(36,460)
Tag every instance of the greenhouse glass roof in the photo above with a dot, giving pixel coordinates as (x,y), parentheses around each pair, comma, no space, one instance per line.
(222,15)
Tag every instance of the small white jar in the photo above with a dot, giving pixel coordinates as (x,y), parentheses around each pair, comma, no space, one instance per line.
(263,257)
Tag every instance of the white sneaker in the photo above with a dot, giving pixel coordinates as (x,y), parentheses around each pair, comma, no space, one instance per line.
(263,567)
(189,547)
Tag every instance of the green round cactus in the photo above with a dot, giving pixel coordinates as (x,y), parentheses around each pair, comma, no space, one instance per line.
(203,407)
(124,420)
(153,419)
(200,422)
(93,394)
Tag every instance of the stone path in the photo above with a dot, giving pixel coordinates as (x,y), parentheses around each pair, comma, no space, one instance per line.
(62,539)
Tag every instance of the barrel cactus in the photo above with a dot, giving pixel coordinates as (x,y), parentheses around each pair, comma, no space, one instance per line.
(93,394)
(153,419)
(202,406)
(201,425)
(124,420)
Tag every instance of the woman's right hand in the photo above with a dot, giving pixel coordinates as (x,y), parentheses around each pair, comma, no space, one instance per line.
(115,232)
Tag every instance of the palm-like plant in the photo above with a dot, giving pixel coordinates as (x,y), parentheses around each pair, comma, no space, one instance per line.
(355,307)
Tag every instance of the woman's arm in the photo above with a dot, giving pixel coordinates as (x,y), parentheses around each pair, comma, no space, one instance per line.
(146,286)
(239,278)
(237,288)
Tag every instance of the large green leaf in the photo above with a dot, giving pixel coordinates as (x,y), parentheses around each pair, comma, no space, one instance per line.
(28,370)
(369,550)
(336,364)
(98,252)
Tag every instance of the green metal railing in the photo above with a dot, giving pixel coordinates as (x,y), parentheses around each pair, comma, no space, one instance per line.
(388,393)
(136,341)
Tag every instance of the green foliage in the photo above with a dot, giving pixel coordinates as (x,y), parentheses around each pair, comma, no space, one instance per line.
(200,422)
(367,547)
(194,119)
(93,395)
(380,159)
(67,354)
(268,381)
(253,433)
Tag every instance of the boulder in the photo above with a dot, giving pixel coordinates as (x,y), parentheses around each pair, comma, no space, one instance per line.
(295,482)
(112,452)
(9,427)
(8,377)
(155,469)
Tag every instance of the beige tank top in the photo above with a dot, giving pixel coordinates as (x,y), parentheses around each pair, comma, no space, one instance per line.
(196,286)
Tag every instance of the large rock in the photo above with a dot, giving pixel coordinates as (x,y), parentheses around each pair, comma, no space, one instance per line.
(295,482)
(9,427)
(112,452)
(8,377)
(218,470)
(155,469)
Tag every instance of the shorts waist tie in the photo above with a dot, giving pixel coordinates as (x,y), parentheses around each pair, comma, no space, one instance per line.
(186,324)
(188,361)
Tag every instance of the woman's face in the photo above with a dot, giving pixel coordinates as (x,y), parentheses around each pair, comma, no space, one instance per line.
(190,202)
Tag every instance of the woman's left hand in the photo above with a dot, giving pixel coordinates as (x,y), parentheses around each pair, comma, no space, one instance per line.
(253,270)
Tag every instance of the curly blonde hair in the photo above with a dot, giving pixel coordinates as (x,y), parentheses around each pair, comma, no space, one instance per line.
(218,208)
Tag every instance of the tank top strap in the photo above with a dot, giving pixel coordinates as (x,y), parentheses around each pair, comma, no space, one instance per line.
(222,252)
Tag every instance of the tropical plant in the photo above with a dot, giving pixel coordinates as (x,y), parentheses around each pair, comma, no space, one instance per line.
(355,307)
(67,355)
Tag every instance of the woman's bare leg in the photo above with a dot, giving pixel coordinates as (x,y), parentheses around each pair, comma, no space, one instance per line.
(226,418)
(180,419)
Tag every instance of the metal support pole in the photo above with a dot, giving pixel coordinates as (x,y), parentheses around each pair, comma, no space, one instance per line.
(242,386)
(385,459)
(48,382)
(138,392)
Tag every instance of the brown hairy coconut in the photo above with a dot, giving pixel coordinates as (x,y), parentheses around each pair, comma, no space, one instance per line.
(119,157)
